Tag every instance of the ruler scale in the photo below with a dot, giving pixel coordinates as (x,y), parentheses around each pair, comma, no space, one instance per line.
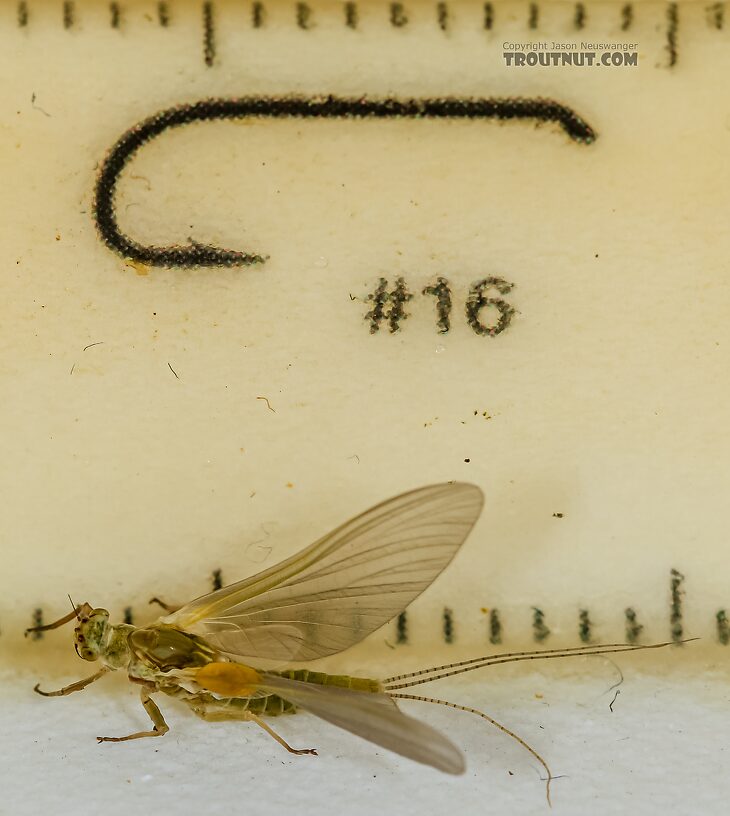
(268,263)
(137,197)
(495,626)
(306,16)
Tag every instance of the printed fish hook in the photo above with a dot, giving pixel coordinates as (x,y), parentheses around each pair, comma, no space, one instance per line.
(195,254)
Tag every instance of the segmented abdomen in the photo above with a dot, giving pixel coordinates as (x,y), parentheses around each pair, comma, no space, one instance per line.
(274,705)
(271,705)
(341,680)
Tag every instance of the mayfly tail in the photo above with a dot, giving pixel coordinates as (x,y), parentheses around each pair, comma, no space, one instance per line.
(500,656)
(489,719)
(450,669)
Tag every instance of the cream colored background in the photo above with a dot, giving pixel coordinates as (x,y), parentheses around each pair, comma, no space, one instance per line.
(607,395)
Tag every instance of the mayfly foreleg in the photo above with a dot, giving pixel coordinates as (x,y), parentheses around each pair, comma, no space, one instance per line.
(158,721)
(77,686)
(60,622)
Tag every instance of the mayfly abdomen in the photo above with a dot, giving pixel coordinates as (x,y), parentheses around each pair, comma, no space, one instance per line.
(271,706)
(274,705)
(210,707)
(340,680)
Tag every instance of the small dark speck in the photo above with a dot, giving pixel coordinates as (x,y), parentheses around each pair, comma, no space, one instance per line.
(557,515)
(596,255)
(511,773)
(37,107)
(467,460)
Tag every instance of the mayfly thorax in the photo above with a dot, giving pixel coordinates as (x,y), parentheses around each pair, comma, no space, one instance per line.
(319,602)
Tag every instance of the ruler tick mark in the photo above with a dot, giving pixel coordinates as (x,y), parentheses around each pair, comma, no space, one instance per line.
(584,626)
(401,629)
(488,16)
(716,16)
(633,627)
(579,18)
(128,617)
(217,578)
(37,621)
(351,15)
(22,14)
(627,17)
(258,14)
(68,14)
(115,15)
(533,16)
(540,631)
(304,16)
(495,627)
(208,33)
(675,615)
(672,27)
(442,16)
(723,627)
(448,625)
(163,14)
(398,16)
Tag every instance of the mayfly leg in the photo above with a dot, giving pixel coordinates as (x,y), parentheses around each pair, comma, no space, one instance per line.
(158,721)
(77,686)
(269,730)
(213,710)
(166,606)
(60,622)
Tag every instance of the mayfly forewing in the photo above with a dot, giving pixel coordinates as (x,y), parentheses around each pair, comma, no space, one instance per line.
(344,586)
(374,716)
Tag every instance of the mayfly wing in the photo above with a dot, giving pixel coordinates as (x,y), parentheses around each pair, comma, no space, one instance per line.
(344,586)
(372,716)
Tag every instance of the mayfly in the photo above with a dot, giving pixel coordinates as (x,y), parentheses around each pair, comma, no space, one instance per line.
(319,602)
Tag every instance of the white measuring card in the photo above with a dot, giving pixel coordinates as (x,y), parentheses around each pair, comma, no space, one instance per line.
(267,264)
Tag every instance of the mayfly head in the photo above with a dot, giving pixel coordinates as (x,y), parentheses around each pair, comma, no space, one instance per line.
(91,632)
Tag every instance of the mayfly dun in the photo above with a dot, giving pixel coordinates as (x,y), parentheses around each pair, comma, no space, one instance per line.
(318,602)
